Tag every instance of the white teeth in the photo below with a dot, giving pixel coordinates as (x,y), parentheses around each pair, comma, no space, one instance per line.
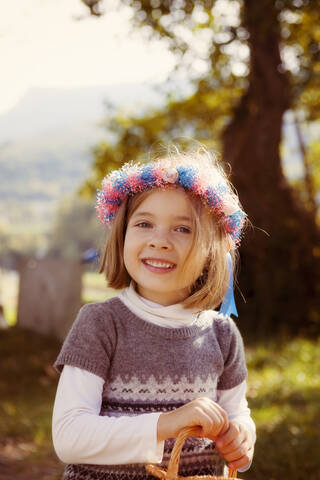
(158,264)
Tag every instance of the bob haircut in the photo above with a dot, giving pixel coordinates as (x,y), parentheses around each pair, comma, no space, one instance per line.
(208,290)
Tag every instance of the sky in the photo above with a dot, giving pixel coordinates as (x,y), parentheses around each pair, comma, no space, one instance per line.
(43,45)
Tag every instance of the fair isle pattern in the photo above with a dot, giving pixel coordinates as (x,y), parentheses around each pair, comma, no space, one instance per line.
(169,389)
(149,368)
(206,455)
(206,463)
(83,472)
(117,409)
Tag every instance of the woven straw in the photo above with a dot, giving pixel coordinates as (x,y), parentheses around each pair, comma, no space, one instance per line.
(173,467)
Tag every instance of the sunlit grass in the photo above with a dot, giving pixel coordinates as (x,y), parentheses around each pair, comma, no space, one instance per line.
(95,288)
(10,314)
(284,394)
(28,384)
(9,285)
(94,280)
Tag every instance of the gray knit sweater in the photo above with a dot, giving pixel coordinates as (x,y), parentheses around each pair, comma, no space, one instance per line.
(149,368)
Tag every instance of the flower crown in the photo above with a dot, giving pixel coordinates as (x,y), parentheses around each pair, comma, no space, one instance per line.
(204,181)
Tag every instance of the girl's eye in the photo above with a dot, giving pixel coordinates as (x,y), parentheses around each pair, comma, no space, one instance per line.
(184,229)
(143,225)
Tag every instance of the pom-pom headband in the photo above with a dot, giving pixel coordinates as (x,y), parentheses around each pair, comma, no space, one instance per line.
(202,180)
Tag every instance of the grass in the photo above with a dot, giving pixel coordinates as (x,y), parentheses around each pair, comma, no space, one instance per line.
(28,380)
(283,393)
(94,280)
(27,389)
(94,288)
(10,314)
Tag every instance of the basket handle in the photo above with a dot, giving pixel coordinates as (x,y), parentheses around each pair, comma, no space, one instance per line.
(173,466)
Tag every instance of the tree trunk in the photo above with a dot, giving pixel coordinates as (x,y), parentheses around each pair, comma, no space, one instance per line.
(280,279)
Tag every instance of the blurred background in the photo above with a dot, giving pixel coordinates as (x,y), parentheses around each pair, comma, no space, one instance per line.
(87,85)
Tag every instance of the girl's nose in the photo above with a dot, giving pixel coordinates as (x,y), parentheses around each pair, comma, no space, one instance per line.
(159,241)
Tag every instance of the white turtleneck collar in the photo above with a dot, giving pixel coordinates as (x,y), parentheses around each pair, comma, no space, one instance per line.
(172,316)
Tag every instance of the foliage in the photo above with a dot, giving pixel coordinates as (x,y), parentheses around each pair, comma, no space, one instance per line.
(202,116)
(301,48)
(211,40)
(313,160)
(247,68)
(283,392)
(215,34)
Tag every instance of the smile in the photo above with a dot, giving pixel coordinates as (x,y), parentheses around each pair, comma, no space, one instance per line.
(158,265)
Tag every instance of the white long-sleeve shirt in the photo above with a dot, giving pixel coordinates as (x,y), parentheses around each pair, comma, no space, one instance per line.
(81,435)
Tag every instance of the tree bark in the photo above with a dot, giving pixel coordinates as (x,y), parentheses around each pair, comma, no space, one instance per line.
(280,279)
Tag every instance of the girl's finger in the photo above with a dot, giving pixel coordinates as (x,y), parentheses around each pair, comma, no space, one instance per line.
(243,461)
(222,419)
(237,453)
(216,424)
(219,424)
(208,415)
(209,418)
(231,447)
(207,423)
(228,437)
(225,425)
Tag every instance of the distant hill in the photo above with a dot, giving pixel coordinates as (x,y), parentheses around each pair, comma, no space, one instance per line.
(46,142)
(47,110)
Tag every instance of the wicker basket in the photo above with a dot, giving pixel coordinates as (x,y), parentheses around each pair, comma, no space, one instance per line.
(173,467)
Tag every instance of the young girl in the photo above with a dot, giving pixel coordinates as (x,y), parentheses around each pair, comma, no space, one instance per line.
(139,367)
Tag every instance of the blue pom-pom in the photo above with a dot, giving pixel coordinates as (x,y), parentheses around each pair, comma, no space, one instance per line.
(108,217)
(234,222)
(114,201)
(236,218)
(186,177)
(121,184)
(147,176)
(213,198)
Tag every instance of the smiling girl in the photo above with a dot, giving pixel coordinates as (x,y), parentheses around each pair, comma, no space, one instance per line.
(139,367)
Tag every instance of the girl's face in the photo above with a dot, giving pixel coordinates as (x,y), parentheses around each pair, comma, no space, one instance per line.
(157,244)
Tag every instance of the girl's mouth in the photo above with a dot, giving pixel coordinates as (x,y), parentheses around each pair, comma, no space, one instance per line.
(158,266)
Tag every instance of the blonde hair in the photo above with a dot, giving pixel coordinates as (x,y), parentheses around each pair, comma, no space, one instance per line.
(209,289)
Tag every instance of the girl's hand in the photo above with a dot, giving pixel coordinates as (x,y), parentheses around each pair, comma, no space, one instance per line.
(203,413)
(235,445)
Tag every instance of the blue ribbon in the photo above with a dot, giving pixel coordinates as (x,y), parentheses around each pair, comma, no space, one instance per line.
(90,255)
(228,305)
